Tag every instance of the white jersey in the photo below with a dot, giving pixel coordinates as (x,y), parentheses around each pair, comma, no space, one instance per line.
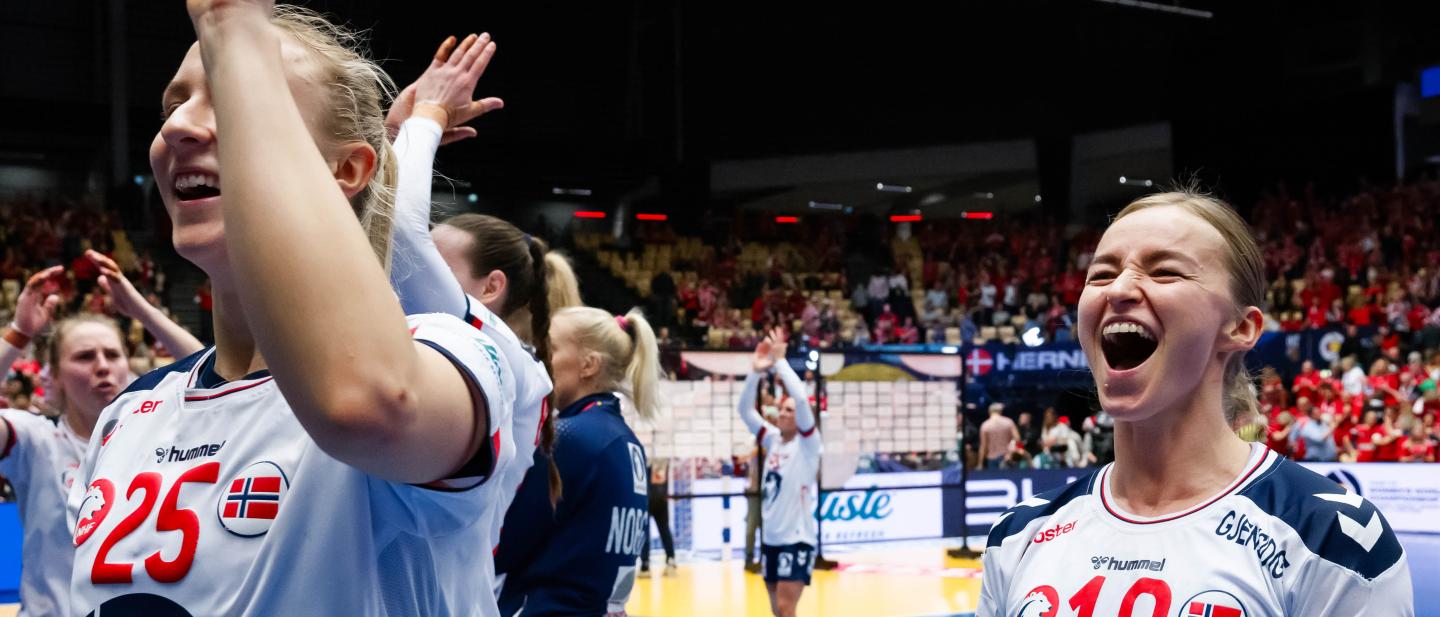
(1280,541)
(789,487)
(532,393)
(217,502)
(40,460)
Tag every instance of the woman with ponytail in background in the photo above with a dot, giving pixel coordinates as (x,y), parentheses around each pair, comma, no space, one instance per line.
(476,267)
(577,556)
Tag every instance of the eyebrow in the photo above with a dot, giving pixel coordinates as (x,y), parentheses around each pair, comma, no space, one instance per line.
(1150,257)
(170,89)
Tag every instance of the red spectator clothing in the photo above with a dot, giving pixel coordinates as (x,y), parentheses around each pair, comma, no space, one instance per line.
(204,299)
(1363,439)
(1430,407)
(1315,317)
(1417,316)
(757,310)
(1291,325)
(1387,453)
(1070,287)
(1378,383)
(1360,316)
(1417,450)
(1344,424)
(1390,342)
(84,269)
(1280,445)
(1308,386)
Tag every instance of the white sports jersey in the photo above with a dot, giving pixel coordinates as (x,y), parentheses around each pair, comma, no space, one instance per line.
(789,487)
(217,502)
(532,392)
(40,460)
(1280,541)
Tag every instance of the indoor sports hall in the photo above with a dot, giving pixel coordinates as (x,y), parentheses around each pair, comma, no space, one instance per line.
(1016,308)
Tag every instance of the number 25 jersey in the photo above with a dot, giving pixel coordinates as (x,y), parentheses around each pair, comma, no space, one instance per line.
(215,501)
(1281,540)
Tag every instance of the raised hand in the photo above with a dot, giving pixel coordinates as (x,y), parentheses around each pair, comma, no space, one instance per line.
(202,11)
(778,343)
(37,303)
(123,296)
(764,357)
(443,92)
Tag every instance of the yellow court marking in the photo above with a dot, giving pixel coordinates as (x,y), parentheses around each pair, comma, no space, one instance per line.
(891,583)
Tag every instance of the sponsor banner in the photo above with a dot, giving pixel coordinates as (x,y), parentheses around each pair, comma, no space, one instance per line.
(1408,494)
(881,510)
(873,512)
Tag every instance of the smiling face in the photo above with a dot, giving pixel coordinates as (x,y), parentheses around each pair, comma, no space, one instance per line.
(185,155)
(1154,311)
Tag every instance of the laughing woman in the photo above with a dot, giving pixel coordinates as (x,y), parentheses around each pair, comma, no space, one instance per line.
(1188,515)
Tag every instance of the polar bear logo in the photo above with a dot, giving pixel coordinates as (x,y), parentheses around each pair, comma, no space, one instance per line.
(1040,602)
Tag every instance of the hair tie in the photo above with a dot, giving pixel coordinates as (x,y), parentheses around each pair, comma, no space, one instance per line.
(527,239)
(624,323)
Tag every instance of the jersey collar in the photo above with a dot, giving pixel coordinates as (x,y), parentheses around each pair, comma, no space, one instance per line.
(1260,458)
(600,400)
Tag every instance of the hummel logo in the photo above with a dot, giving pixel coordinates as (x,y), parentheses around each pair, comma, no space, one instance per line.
(1365,535)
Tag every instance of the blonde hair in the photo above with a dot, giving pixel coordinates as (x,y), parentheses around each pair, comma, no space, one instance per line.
(630,356)
(357,92)
(1246,266)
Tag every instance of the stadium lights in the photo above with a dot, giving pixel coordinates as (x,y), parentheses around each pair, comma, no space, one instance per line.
(932,199)
(823,205)
(977,215)
(652,217)
(905,218)
(577,192)
(892,188)
(472,198)
(1136,182)
(1037,199)
(984,195)
(787,219)
(589,214)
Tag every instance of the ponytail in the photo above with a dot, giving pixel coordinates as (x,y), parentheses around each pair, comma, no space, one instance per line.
(642,373)
(1241,402)
(626,344)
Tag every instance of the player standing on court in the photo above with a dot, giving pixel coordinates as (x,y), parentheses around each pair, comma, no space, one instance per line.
(1189,520)
(790,492)
(328,452)
(577,556)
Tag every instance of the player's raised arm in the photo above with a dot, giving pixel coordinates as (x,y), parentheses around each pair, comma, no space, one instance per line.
(794,386)
(761,364)
(319,307)
(425,119)
(128,302)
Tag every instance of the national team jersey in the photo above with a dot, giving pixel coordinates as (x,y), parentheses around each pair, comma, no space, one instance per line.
(789,487)
(578,558)
(215,501)
(532,395)
(40,460)
(1280,541)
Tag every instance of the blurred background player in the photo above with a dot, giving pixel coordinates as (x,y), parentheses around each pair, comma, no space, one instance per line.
(1165,331)
(319,390)
(87,363)
(576,556)
(659,505)
(790,490)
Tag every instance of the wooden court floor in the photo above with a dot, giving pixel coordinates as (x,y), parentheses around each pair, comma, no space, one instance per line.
(891,583)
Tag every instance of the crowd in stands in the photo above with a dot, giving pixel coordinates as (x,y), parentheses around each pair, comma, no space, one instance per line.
(1371,260)
(39,231)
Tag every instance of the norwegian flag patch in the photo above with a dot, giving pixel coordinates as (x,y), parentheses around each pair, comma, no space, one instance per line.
(252,499)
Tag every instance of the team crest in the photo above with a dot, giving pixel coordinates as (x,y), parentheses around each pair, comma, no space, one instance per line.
(638,471)
(249,504)
(1042,601)
(1212,604)
(93,509)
